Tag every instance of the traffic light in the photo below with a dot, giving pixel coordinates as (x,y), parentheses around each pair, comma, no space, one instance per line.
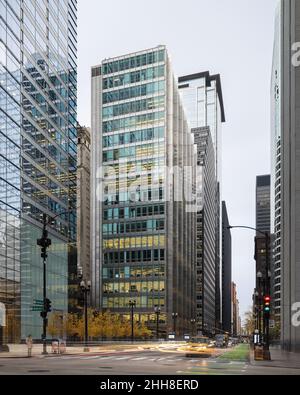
(44,243)
(48,307)
(267,304)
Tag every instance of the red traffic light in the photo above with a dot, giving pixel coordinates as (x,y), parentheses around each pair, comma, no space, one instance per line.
(267,299)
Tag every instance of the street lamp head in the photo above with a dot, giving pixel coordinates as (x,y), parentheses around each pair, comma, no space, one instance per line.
(174,315)
(89,284)
(259,275)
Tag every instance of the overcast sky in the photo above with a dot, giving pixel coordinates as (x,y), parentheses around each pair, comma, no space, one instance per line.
(230,37)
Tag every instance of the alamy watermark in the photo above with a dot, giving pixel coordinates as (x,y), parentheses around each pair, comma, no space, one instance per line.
(134,183)
(296,54)
(296,315)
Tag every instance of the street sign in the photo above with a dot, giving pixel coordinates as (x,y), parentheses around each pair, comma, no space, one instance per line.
(38,301)
(171,336)
(37,308)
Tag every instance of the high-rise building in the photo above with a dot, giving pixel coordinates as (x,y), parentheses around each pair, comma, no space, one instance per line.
(84,202)
(202,98)
(206,226)
(235,321)
(226,271)
(263,226)
(276,156)
(143,235)
(38,157)
(263,203)
(285,96)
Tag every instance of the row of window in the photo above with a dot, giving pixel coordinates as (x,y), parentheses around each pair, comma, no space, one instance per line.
(133,227)
(134,242)
(133,62)
(133,91)
(134,287)
(135,196)
(133,122)
(134,106)
(119,302)
(134,256)
(130,167)
(133,137)
(139,151)
(133,212)
(133,272)
(136,76)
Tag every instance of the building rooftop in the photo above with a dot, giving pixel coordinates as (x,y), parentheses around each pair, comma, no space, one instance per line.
(209,78)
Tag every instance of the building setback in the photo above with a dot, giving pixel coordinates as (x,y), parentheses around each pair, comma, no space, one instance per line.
(143,235)
(38,157)
(285,96)
(226,271)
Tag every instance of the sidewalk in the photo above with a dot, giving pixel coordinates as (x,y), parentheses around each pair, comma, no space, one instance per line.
(279,359)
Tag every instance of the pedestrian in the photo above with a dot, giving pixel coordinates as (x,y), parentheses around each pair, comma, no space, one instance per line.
(29,343)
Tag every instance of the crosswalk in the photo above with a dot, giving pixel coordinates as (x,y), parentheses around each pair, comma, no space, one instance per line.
(120,358)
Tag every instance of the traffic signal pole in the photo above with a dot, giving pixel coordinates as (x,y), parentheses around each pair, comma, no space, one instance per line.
(44,243)
(267,289)
(267,355)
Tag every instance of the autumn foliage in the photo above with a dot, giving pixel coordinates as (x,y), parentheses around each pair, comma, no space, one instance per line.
(100,326)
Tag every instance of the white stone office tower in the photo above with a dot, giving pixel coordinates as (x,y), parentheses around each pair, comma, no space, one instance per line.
(203,103)
(143,235)
(285,96)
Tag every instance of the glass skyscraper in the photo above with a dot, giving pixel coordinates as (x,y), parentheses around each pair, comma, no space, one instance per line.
(38,155)
(142,235)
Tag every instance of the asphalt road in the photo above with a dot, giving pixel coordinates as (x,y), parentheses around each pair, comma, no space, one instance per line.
(122,363)
(129,363)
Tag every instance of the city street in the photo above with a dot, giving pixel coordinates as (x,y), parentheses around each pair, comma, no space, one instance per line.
(140,362)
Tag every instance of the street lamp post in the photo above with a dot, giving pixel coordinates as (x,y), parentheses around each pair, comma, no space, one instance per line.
(45,243)
(85,288)
(132,305)
(266,316)
(157,311)
(174,317)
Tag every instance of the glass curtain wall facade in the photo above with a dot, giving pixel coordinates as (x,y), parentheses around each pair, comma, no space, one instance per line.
(38,155)
(141,240)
